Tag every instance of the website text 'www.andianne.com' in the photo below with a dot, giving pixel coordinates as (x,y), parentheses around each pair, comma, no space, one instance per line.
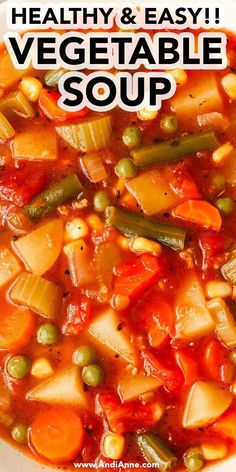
(115,465)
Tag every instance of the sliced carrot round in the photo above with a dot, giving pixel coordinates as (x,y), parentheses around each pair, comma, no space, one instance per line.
(16,328)
(57,434)
(199,212)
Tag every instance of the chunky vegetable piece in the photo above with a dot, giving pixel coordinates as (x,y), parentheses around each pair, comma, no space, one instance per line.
(9,266)
(6,130)
(64,387)
(199,212)
(35,144)
(156,451)
(16,328)
(89,136)
(131,387)
(15,103)
(206,402)
(41,295)
(224,320)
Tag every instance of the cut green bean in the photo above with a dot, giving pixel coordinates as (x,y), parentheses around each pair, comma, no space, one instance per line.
(174,149)
(51,198)
(52,77)
(132,224)
(156,451)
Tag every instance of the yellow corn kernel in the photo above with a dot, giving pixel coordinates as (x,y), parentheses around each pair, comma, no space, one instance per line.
(123,242)
(145,245)
(147,115)
(121,302)
(76,229)
(157,410)
(218,288)
(179,75)
(229,85)
(31,88)
(95,223)
(234,388)
(113,446)
(214,450)
(222,153)
(41,368)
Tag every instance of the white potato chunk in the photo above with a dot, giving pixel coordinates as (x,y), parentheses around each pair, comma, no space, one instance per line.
(130,387)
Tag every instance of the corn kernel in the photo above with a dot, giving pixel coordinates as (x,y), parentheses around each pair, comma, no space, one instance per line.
(95,223)
(218,288)
(145,245)
(41,368)
(214,450)
(123,242)
(229,85)
(147,115)
(121,302)
(222,153)
(31,88)
(113,446)
(76,229)
(179,75)
(157,410)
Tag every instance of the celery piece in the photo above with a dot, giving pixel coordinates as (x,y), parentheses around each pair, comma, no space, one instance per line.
(132,224)
(156,451)
(15,103)
(38,294)
(51,198)
(224,320)
(229,269)
(88,136)
(6,130)
(174,149)
(52,77)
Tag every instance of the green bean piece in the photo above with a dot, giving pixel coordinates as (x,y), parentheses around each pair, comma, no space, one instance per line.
(132,224)
(156,451)
(51,198)
(52,77)
(174,149)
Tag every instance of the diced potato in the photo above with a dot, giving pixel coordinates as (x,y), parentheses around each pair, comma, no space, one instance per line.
(214,450)
(193,319)
(130,387)
(38,294)
(9,266)
(9,75)
(41,368)
(205,403)
(40,249)
(200,94)
(227,425)
(36,144)
(230,169)
(152,192)
(65,387)
(108,329)
(224,320)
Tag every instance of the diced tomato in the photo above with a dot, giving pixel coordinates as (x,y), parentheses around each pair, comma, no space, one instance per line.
(183,183)
(211,245)
(48,105)
(158,318)
(133,278)
(170,374)
(126,417)
(226,425)
(79,314)
(189,366)
(215,362)
(20,187)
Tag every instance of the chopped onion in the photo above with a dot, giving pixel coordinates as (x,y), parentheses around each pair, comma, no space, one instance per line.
(94,167)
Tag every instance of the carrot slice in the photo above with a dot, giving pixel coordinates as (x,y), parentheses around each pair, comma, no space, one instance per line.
(57,434)
(199,212)
(16,328)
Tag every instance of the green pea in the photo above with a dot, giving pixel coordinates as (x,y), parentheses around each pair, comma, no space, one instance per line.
(20,433)
(193,459)
(131,137)
(225,205)
(101,201)
(126,168)
(218,181)
(18,367)
(169,124)
(233,356)
(92,375)
(84,355)
(47,334)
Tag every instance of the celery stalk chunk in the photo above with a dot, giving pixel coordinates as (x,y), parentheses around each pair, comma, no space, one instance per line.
(88,136)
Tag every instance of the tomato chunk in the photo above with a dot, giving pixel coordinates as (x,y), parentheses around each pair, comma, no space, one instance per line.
(133,278)
(48,105)
(189,366)
(20,186)
(216,362)
(79,314)
(169,374)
